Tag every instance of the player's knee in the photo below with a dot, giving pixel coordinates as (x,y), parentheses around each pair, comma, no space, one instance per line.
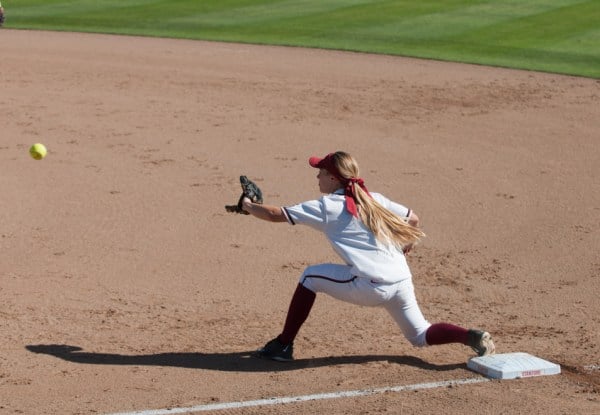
(304,280)
(310,270)
(308,283)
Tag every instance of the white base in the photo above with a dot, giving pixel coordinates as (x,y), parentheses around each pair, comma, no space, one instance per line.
(512,366)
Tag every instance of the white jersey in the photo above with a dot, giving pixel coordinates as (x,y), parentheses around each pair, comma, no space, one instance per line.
(351,239)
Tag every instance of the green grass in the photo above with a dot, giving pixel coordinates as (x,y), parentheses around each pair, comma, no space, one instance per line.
(561,36)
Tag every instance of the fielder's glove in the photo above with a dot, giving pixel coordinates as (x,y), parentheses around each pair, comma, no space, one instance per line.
(249,190)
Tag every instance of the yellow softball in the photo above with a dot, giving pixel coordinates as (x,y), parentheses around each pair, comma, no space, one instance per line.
(38,151)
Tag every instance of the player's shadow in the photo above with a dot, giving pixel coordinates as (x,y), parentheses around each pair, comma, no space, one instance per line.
(228,362)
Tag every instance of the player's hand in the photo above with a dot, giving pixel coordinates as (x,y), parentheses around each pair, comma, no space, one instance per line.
(407,248)
(249,191)
(246,203)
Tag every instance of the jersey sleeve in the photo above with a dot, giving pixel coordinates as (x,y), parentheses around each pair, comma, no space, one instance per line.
(309,213)
(394,207)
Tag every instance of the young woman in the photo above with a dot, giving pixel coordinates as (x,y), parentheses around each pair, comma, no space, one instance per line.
(371,234)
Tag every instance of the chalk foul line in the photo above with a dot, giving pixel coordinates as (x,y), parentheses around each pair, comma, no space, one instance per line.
(304,398)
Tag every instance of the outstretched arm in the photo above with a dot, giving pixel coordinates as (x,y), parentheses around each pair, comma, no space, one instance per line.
(269,213)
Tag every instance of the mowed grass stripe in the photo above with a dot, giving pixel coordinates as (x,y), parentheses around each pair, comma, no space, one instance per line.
(548,35)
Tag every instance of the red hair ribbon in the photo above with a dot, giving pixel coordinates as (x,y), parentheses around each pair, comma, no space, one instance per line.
(350,194)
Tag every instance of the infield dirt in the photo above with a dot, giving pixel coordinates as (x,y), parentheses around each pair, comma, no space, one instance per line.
(126,286)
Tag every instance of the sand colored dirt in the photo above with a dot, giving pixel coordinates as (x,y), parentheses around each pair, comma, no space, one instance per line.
(126,286)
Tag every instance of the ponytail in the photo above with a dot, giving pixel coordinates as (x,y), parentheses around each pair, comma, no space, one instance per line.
(385,225)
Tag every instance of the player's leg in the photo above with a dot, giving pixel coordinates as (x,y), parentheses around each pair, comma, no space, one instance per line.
(337,281)
(333,279)
(281,348)
(403,307)
(405,311)
(444,333)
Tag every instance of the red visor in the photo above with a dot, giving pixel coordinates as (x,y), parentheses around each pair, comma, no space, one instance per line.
(328,164)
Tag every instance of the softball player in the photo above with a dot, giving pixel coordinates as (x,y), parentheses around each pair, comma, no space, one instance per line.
(372,235)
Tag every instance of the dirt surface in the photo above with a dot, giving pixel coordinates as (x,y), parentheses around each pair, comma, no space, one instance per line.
(127,287)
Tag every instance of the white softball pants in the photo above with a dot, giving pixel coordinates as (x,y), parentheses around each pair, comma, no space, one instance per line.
(398,299)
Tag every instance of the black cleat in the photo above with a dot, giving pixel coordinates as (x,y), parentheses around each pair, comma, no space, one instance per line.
(275,350)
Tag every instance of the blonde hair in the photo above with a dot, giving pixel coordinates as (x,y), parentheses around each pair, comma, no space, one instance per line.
(385,225)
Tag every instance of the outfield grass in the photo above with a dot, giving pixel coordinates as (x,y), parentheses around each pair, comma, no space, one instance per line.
(561,36)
